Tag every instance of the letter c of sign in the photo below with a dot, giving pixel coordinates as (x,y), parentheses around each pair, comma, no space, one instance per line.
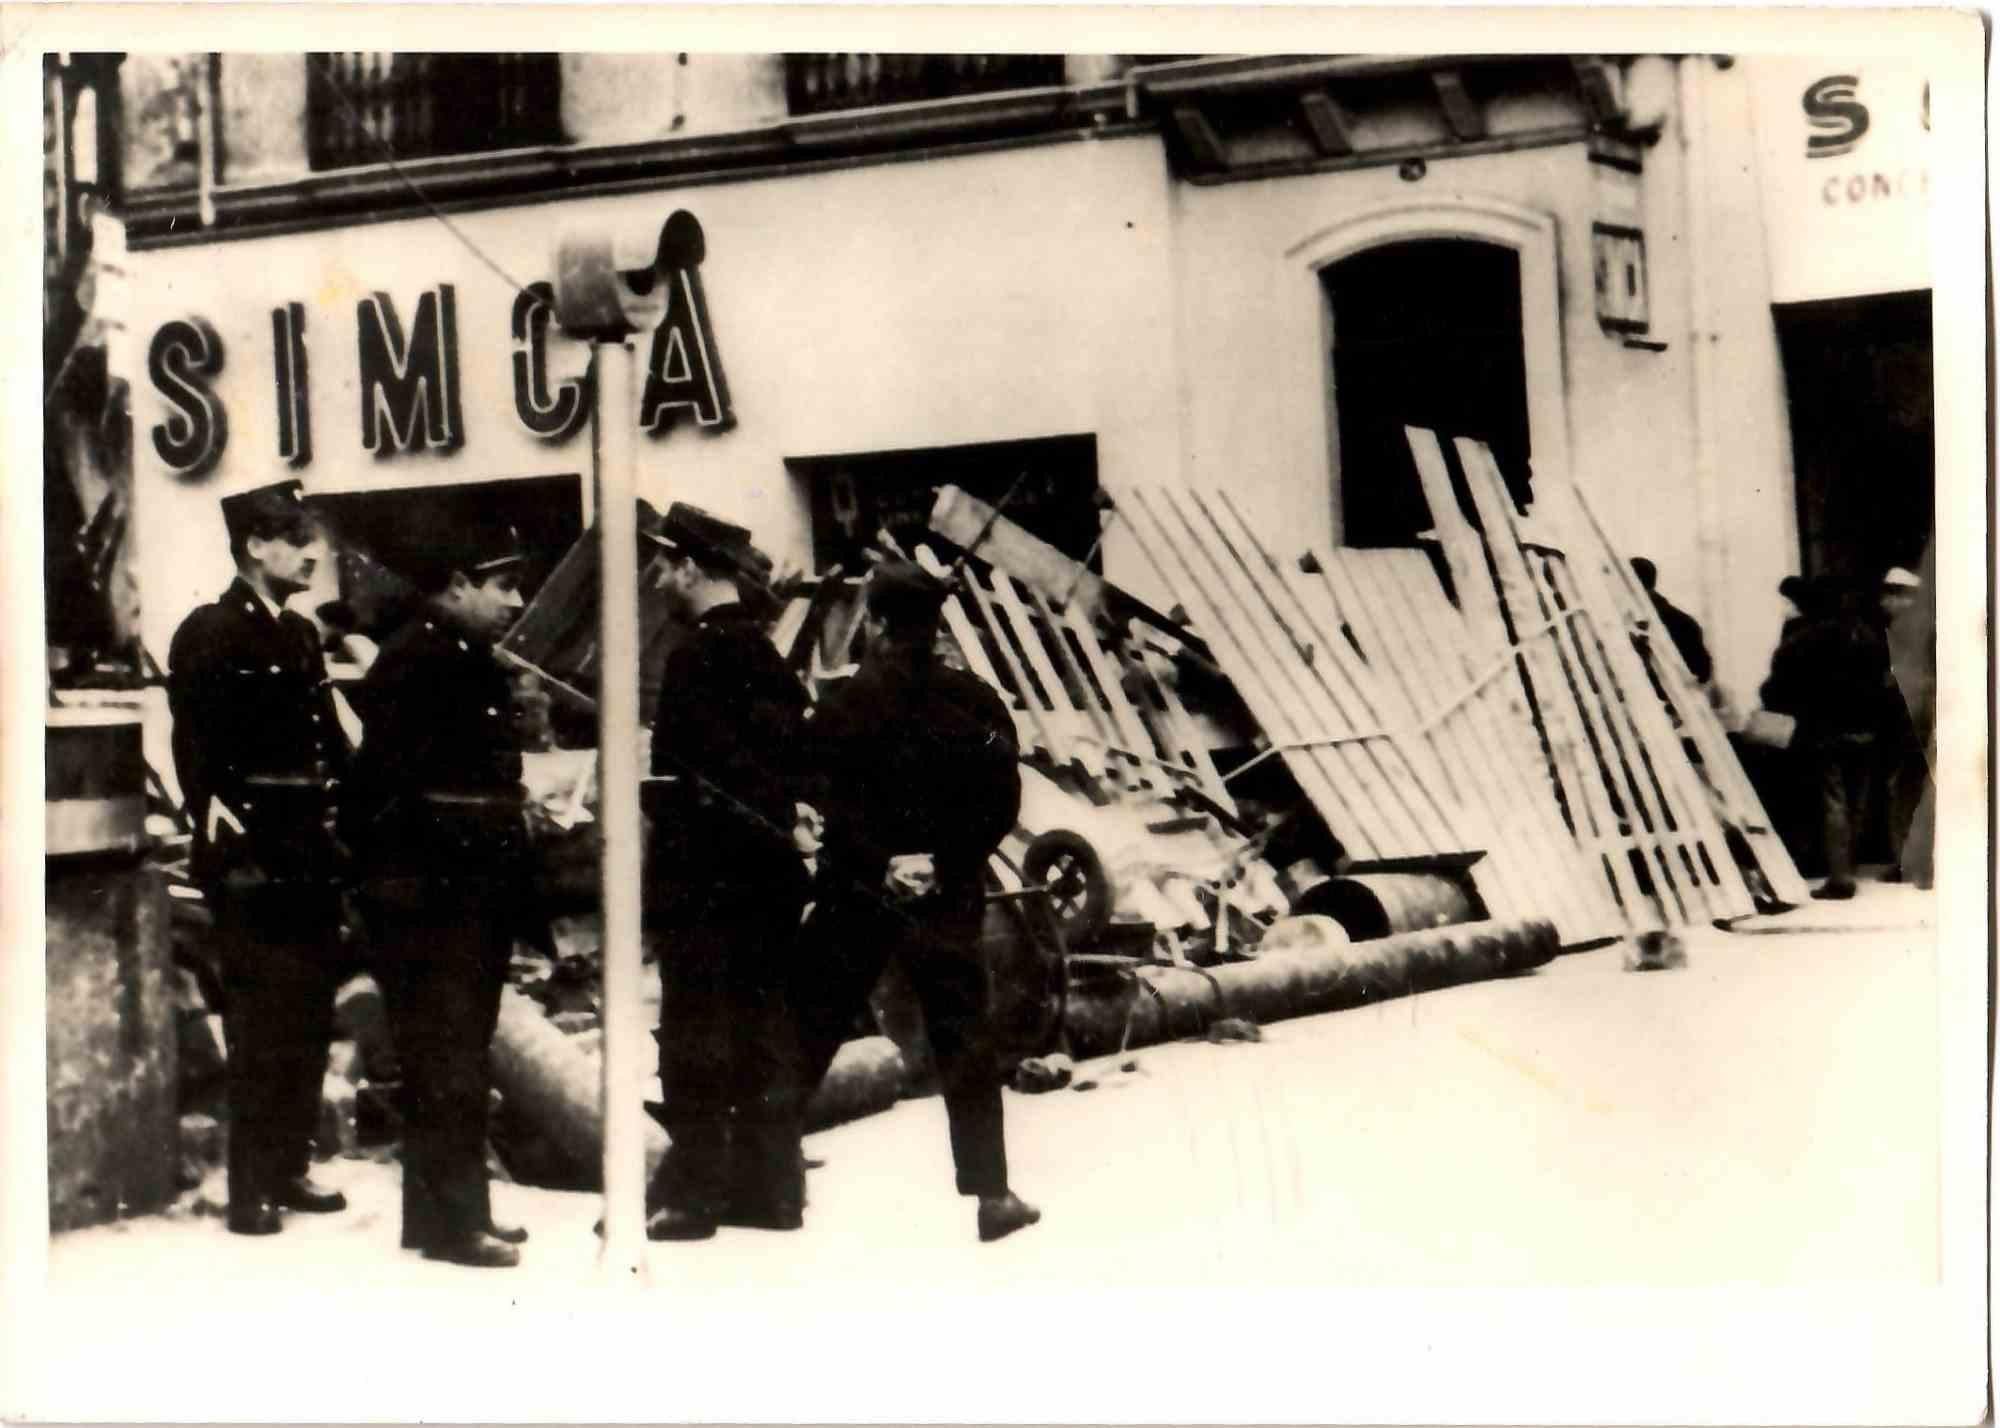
(1833,111)
(184,353)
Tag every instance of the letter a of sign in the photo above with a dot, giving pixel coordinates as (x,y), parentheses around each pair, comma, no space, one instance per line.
(682,370)
(182,355)
(409,390)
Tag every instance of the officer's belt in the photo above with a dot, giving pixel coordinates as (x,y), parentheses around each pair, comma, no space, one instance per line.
(473,802)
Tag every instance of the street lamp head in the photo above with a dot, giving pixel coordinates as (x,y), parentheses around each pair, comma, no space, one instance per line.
(602,295)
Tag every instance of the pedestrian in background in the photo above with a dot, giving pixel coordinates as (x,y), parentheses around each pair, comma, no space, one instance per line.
(259,753)
(437,820)
(1905,771)
(920,782)
(1829,674)
(727,888)
(1681,627)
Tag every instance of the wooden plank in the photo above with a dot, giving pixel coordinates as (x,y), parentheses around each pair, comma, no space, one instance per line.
(1719,762)
(1620,754)
(1517,849)
(1708,850)
(978,529)
(1703,864)
(1203,144)
(1326,124)
(1074,719)
(1028,728)
(1473,698)
(1400,758)
(1073,678)
(1479,601)
(1181,735)
(1333,798)
(1564,714)
(1286,652)
(1461,111)
(1076,645)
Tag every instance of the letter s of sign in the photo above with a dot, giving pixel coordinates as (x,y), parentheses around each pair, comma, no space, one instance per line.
(183,354)
(1832,109)
(552,415)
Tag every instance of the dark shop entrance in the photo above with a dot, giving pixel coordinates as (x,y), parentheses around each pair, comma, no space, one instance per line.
(1858,385)
(1425,333)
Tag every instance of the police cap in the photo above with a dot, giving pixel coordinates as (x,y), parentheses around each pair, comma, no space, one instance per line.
(429,547)
(718,544)
(267,512)
(907,595)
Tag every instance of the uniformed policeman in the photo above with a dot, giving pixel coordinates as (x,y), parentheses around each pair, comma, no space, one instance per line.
(919,781)
(436,818)
(260,755)
(727,889)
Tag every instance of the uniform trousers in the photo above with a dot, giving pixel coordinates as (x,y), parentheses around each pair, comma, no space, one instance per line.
(282,962)
(441,954)
(851,940)
(1846,765)
(729,1053)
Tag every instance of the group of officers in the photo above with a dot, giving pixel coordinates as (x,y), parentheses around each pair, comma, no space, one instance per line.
(795,849)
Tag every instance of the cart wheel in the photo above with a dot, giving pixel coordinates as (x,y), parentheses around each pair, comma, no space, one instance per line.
(1067,866)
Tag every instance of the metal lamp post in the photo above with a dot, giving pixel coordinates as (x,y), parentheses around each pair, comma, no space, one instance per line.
(608,305)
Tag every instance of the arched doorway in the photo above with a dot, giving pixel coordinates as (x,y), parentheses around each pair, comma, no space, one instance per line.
(1424,332)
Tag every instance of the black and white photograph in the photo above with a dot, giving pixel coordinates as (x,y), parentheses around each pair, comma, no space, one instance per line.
(1183,716)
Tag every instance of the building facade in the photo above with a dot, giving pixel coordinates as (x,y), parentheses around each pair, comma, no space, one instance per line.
(1043,274)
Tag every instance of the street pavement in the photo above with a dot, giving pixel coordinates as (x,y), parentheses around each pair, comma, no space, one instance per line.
(1765,1116)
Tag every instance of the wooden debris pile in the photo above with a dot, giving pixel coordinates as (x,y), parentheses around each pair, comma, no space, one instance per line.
(1535,727)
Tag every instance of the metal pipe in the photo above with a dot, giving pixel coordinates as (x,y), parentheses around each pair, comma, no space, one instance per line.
(615,448)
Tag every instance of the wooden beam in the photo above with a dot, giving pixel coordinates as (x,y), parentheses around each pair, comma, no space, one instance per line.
(1204,145)
(1327,123)
(1460,112)
(1594,80)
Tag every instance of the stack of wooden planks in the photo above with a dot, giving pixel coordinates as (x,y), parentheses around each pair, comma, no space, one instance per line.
(1635,760)
(1533,720)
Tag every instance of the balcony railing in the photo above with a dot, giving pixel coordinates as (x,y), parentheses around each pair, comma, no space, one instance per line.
(821,83)
(370,106)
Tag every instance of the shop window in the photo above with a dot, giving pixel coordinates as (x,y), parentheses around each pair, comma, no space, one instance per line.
(369,106)
(1425,333)
(1048,485)
(546,511)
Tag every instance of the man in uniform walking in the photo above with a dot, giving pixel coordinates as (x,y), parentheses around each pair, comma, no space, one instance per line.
(437,819)
(919,783)
(727,888)
(260,753)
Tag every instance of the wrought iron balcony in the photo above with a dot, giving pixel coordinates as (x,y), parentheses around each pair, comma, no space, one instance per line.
(824,83)
(365,107)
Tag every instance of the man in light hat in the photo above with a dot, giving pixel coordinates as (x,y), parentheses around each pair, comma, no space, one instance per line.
(727,887)
(259,753)
(921,781)
(1905,774)
(436,817)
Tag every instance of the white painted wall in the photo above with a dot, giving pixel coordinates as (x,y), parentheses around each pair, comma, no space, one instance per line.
(1020,294)
(1255,409)
(1039,291)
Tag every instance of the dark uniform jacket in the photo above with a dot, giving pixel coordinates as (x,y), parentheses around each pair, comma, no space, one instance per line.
(726,758)
(1830,672)
(254,726)
(436,791)
(915,761)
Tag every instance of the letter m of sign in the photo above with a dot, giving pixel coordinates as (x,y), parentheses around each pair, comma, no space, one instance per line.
(409,388)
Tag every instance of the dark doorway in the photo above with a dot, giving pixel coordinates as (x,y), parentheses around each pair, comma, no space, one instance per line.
(1858,385)
(1425,333)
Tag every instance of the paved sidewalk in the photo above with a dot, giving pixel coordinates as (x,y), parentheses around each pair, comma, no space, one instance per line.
(1765,1116)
